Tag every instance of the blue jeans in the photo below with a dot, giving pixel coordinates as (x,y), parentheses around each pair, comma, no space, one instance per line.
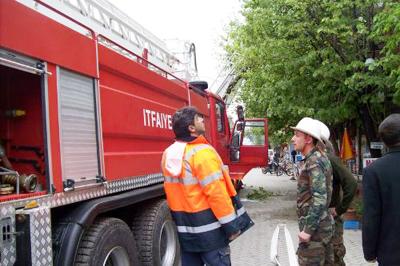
(217,257)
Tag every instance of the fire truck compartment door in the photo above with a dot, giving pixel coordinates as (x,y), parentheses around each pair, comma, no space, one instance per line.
(78,127)
(23,63)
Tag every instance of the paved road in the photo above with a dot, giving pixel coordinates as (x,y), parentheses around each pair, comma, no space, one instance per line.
(253,247)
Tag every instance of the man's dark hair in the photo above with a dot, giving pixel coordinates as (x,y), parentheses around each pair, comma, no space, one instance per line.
(389,130)
(182,119)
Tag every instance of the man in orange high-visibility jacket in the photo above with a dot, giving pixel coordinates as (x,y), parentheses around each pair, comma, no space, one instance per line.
(203,202)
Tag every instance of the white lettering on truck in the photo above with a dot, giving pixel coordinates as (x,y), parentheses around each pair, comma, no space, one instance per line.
(156,119)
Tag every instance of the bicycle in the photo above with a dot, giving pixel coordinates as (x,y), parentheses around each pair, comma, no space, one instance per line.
(278,168)
(272,168)
(287,167)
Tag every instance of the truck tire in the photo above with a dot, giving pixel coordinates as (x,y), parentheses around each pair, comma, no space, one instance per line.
(156,236)
(109,241)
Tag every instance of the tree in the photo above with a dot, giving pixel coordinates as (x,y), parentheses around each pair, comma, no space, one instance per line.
(336,61)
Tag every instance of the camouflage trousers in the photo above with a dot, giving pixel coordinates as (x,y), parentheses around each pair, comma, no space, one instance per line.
(337,241)
(315,253)
(319,250)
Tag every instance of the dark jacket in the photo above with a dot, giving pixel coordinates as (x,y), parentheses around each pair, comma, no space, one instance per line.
(381,218)
(343,180)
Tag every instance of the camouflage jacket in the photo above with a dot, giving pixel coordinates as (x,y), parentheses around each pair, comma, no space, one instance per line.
(314,191)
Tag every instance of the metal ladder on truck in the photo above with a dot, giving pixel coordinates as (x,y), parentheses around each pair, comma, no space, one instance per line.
(121,32)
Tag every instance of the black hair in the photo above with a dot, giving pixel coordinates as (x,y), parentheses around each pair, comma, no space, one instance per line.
(182,119)
(389,130)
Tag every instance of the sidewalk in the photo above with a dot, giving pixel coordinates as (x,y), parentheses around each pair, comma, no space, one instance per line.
(253,247)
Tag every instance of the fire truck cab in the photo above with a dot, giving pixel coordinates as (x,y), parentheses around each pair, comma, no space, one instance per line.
(85,114)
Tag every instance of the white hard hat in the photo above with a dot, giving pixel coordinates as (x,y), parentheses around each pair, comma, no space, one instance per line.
(310,127)
(325,133)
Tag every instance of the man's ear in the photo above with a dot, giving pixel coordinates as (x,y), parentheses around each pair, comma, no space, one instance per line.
(308,139)
(192,128)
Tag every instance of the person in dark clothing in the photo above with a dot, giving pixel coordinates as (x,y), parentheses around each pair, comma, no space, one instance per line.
(344,187)
(381,197)
(343,181)
(293,153)
(277,156)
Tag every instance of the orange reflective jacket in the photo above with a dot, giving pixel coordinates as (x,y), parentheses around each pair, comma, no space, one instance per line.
(201,196)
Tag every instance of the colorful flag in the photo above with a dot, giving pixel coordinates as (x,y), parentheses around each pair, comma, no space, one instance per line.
(346,151)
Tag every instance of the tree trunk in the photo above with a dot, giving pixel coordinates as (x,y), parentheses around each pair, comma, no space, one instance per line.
(370,130)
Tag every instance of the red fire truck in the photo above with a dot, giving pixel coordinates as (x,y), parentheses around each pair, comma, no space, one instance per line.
(86,100)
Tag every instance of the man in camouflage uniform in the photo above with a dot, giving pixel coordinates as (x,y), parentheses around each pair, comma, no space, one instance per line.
(344,190)
(344,187)
(314,190)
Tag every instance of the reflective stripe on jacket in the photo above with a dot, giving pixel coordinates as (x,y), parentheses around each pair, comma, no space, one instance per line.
(201,196)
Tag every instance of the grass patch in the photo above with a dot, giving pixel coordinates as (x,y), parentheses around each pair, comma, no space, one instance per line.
(259,194)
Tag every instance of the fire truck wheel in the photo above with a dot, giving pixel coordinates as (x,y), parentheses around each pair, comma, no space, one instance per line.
(155,234)
(109,241)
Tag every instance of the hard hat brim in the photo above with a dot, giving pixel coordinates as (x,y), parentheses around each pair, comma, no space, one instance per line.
(307,132)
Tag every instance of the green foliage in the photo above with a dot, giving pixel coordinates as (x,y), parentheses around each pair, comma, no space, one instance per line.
(259,194)
(309,58)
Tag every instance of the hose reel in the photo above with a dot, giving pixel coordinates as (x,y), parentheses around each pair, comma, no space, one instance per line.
(27,183)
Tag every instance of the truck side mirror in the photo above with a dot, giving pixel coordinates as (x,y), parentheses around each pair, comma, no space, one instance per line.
(235,141)
(235,147)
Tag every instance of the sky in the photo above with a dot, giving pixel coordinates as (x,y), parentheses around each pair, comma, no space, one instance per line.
(203,23)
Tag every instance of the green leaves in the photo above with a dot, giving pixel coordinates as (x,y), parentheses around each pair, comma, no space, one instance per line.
(308,58)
